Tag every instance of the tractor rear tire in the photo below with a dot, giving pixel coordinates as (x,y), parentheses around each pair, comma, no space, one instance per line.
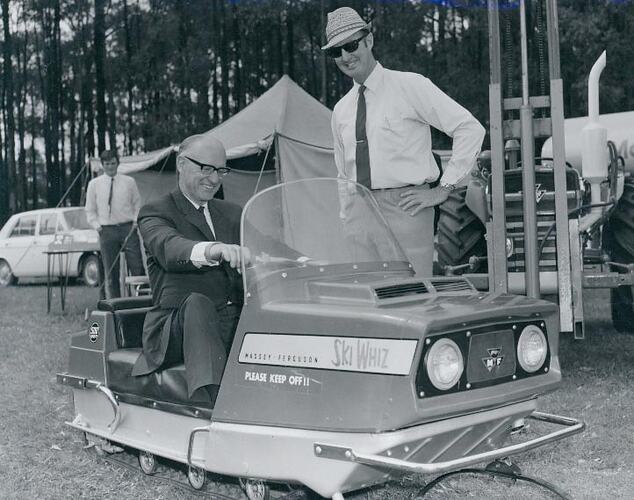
(460,233)
(621,241)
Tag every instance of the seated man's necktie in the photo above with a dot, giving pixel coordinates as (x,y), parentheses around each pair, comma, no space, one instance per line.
(201,211)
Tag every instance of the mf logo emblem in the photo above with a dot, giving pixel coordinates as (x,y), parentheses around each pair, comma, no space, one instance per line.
(494,360)
(93,332)
(539,193)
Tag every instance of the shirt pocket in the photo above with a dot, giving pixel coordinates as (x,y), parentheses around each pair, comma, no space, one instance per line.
(397,127)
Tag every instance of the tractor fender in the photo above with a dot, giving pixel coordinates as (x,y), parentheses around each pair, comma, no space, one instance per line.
(476,199)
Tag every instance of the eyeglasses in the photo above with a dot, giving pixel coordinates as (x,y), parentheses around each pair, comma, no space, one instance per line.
(350,47)
(210,169)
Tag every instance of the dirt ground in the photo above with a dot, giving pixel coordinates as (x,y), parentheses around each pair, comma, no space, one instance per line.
(42,458)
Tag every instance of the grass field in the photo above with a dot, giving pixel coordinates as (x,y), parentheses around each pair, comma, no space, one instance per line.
(41,458)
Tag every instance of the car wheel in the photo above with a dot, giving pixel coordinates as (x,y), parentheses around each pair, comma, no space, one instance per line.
(90,270)
(6,275)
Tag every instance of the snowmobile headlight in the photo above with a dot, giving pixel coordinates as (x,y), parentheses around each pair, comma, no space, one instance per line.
(444,364)
(532,348)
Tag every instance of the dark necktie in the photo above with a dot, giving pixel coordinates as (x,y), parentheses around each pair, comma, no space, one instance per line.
(110,196)
(201,211)
(363,153)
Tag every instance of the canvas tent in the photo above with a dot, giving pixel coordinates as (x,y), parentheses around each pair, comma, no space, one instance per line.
(283,135)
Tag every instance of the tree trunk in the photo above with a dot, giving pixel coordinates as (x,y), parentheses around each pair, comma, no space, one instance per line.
(87,104)
(313,56)
(224,63)
(324,67)
(128,80)
(81,152)
(61,99)
(100,77)
(22,95)
(112,115)
(34,125)
(52,85)
(279,46)
(9,135)
(184,107)
(215,61)
(4,186)
(72,119)
(238,94)
(290,45)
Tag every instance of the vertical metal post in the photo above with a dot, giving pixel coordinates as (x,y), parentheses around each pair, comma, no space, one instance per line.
(498,278)
(531,262)
(324,88)
(564,278)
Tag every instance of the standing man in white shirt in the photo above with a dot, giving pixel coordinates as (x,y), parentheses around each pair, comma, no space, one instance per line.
(112,205)
(382,136)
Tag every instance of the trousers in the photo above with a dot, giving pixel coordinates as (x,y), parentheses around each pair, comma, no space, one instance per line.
(112,240)
(201,335)
(415,234)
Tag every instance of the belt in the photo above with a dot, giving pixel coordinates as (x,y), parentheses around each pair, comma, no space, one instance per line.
(117,225)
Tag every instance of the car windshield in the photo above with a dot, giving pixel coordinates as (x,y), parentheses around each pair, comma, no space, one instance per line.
(316,223)
(76,219)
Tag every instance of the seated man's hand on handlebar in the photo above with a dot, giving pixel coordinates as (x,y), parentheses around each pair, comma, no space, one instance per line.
(233,254)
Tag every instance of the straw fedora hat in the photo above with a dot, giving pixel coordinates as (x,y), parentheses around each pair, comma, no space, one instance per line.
(342,23)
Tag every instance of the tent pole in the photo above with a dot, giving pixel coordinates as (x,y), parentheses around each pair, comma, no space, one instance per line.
(61,200)
(266,157)
(278,171)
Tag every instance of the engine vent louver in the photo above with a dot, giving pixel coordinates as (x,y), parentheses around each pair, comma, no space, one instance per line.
(402,290)
(452,285)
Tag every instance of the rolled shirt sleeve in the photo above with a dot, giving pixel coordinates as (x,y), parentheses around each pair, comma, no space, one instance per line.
(135,199)
(435,107)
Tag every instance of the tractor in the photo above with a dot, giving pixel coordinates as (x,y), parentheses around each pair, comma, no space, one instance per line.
(551,225)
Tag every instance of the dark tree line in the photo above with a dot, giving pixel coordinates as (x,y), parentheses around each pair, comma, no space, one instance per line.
(80,76)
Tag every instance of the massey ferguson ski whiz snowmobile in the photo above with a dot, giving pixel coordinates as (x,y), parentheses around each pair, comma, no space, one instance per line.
(346,369)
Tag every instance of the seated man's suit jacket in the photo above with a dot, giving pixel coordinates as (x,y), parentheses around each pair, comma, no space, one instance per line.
(170,228)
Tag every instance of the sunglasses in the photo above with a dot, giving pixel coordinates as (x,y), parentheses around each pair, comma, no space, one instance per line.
(350,47)
(210,169)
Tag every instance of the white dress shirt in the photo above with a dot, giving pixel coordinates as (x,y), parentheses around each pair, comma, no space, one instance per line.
(401,107)
(125,204)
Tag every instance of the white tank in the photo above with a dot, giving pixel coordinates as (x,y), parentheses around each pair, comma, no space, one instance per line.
(620,127)
(594,154)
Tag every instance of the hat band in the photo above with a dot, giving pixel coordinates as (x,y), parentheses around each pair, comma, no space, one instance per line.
(343,29)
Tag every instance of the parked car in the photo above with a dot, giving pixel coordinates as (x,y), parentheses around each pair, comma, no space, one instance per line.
(27,235)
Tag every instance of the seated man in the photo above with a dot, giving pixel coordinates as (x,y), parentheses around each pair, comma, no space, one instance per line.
(193,253)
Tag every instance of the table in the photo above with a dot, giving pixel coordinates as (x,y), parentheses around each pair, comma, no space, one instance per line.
(60,253)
